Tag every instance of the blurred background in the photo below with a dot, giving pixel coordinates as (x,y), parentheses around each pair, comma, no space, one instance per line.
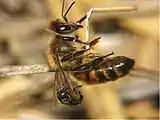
(23,41)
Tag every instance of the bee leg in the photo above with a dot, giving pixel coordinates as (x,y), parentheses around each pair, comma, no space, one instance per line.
(77,87)
(96,55)
(109,54)
(81,20)
(94,42)
(73,56)
(93,55)
(105,58)
(80,68)
(79,53)
(93,64)
(79,41)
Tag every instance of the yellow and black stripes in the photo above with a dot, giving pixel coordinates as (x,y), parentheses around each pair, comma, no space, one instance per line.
(111,70)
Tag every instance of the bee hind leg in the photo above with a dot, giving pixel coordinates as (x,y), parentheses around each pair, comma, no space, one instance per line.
(77,87)
(93,55)
(79,95)
(109,54)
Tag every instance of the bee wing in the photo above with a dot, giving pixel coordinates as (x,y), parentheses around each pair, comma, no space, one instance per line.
(54,89)
(58,83)
(145,73)
(142,81)
(66,80)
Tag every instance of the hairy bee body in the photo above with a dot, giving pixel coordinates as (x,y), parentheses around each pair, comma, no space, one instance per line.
(67,52)
(63,48)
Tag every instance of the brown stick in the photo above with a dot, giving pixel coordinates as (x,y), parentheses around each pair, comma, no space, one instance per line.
(24,70)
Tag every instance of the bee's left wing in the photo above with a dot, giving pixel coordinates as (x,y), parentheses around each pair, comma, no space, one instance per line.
(145,73)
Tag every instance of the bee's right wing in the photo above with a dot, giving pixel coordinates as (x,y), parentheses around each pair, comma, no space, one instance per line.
(58,83)
(55,79)
(61,80)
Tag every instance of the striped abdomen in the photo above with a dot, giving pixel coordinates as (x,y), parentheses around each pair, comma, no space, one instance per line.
(110,70)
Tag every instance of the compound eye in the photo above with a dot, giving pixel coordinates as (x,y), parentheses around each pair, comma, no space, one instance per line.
(63,29)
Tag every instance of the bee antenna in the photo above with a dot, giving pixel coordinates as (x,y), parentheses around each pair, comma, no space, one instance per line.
(64,16)
(62,7)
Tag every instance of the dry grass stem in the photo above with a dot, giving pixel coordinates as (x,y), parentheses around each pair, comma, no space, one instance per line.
(24,70)
(111,9)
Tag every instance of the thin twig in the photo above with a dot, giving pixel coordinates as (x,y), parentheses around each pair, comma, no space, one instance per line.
(112,9)
(24,70)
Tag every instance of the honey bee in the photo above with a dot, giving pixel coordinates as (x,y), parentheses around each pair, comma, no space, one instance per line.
(75,62)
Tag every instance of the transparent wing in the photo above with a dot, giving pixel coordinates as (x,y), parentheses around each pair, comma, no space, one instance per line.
(65,80)
(140,84)
(55,79)
(145,73)
(62,79)
(60,82)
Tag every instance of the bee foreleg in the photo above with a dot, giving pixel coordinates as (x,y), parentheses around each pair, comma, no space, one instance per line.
(79,41)
(93,55)
(81,20)
(109,54)
(73,56)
